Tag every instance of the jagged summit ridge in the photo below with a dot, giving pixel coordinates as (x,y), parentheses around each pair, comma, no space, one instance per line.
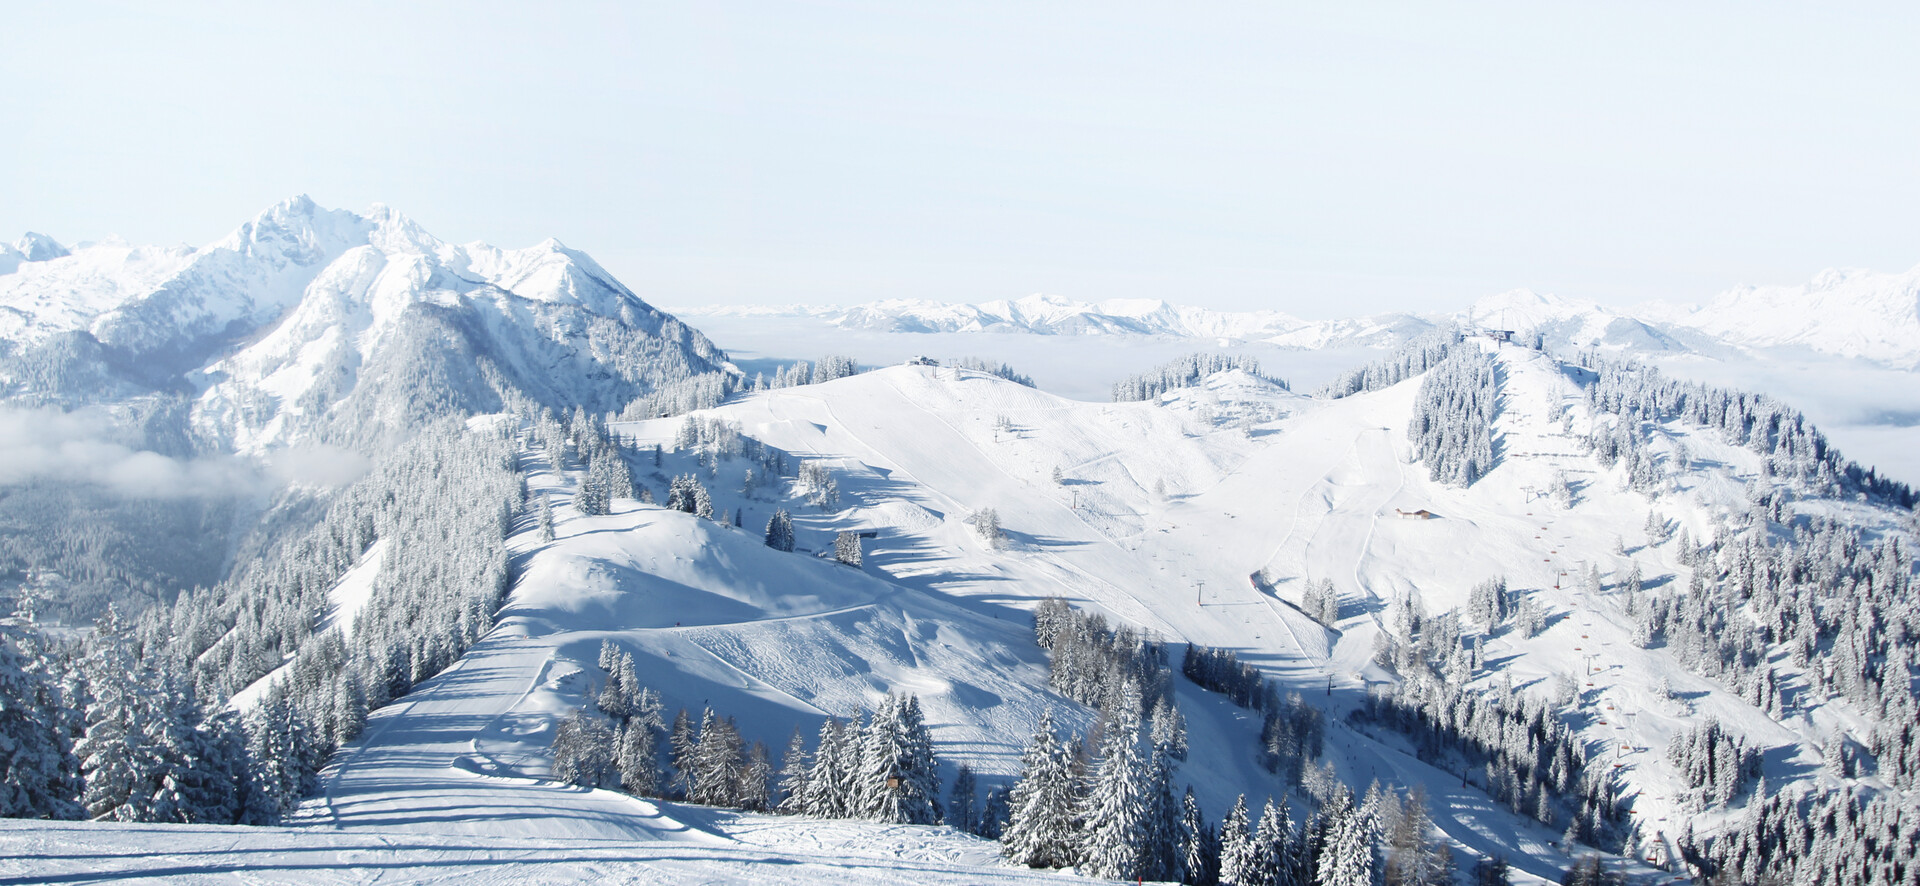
(272,328)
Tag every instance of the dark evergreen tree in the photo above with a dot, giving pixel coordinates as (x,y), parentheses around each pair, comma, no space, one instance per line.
(583,752)
(780,531)
(962,813)
(794,774)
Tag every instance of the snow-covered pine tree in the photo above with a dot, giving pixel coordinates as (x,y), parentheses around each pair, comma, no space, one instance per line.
(1491,871)
(1347,859)
(1182,373)
(754,792)
(829,786)
(1041,831)
(617,696)
(638,759)
(1489,604)
(1169,731)
(717,761)
(832,367)
(991,367)
(1119,811)
(793,775)
(995,811)
(219,787)
(1239,854)
(39,775)
(702,502)
(200,762)
(583,749)
(1560,489)
(1320,600)
(986,522)
(846,548)
(1410,857)
(279,745)
(1168,833)
(1272,841)
(899,779)
(680,743)
(120,771)
(1199,858)
(1416,356)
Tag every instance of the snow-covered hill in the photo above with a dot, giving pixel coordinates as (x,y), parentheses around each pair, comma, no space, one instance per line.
(1842,348)
(1161,512)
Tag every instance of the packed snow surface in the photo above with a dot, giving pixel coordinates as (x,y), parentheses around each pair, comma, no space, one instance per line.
(760,852)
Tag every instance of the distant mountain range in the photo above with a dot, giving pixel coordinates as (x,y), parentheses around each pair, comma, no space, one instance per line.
(1872,316)
(311,323)
(314,323)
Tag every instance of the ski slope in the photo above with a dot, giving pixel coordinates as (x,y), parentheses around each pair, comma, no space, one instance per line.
(799,852)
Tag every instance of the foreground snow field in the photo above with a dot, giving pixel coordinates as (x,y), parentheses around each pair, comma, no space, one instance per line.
(760,853)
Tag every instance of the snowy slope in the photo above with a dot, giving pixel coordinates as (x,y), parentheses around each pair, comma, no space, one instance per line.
(774,853)
(1306,490)
(1310,495)
(713,617)
(1842,348)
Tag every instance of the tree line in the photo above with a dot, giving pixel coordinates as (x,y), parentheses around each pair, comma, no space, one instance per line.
(1418,355)
(1452,422)
(1184,372)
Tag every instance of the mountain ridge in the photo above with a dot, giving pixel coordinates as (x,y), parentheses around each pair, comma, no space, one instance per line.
(1845,313)
(267,329)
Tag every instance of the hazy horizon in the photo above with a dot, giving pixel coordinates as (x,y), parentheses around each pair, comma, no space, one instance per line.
(1320,161)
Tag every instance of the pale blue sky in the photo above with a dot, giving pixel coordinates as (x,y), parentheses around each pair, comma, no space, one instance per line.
(1326,159)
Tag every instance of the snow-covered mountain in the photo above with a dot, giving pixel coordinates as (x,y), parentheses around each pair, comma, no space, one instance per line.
(1051,315)
(1569,323)
(1873,316)
(308,322)
(1846,313)
(29,248)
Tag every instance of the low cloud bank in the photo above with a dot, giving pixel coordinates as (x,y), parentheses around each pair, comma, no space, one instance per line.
(80,447)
